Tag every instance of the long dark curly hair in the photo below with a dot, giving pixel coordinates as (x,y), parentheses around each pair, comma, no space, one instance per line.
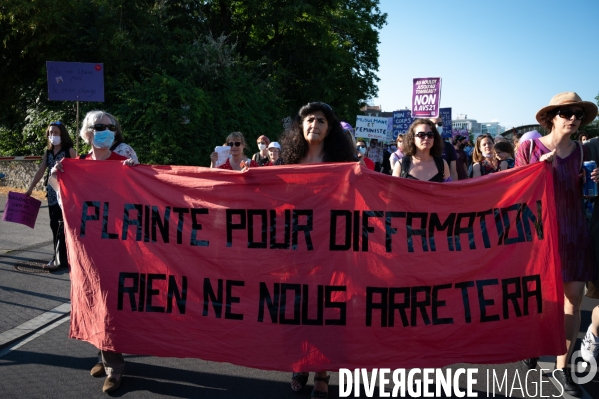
(409,141)
(337,145)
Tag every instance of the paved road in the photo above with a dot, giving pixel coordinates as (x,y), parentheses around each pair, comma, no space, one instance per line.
(37,360)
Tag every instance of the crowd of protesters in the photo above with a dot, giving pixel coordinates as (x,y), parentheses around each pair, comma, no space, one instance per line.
(318,136)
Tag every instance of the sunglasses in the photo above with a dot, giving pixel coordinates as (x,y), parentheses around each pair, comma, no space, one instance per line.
(567,114)
(99,127)
(423,135)
(55,123)
(439,124)
(236,144)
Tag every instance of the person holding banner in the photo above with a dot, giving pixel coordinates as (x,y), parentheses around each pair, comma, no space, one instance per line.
(98,129)
(238,160)
(483,157)
(564,115)
(60,146)
(316,136)
(422,159)
(118,146)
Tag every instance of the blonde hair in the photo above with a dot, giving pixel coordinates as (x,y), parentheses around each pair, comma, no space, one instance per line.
(239,136)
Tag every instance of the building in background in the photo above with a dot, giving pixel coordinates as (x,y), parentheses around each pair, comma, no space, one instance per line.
(492,128)
(462,122)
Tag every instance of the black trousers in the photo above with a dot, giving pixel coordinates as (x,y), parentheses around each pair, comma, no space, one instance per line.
(55,217)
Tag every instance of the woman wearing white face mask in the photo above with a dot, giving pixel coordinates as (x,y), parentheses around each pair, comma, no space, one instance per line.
(60,146)
(261,157)
(483,157)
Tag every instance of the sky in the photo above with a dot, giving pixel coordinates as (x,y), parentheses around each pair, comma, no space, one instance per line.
(498,60)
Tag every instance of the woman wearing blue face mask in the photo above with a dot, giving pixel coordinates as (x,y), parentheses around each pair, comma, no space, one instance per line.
(99,130)
(118,145)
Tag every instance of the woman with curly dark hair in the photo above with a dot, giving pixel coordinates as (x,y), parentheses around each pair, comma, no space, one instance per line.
(422,149)
(315,136)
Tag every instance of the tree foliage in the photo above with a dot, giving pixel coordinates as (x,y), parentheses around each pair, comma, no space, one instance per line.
(181,75)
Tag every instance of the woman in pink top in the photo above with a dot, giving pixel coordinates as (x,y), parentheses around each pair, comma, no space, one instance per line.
(563,117)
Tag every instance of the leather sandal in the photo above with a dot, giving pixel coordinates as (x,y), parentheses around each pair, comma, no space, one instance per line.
(320,394)
(301,379)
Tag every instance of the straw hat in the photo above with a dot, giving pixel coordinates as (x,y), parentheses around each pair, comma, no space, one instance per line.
(570,98)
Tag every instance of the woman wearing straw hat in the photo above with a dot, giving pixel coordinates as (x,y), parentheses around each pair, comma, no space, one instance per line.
(564,115)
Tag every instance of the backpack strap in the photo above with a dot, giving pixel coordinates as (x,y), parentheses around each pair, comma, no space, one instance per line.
(115,145)
(406,161)
(440,166)
(581,153)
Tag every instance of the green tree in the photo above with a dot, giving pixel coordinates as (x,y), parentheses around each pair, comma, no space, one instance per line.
(181,75)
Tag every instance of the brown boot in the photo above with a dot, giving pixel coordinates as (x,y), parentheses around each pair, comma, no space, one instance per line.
(98,370)
(112,384)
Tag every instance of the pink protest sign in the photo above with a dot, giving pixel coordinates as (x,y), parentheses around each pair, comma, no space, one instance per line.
(426,97)
(21,209)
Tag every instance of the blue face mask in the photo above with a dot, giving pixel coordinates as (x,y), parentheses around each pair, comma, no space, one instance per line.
(103,139)
(362,150)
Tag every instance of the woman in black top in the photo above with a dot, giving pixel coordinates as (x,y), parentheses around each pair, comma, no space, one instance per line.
(422,150)
(316,136)
(60,146)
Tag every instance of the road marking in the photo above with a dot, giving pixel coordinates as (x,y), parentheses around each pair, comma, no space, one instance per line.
(41,332)
(30,326)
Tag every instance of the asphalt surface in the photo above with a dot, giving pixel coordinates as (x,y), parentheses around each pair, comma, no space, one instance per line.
(37,360)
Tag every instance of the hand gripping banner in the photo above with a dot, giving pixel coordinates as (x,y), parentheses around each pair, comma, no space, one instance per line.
(313,267)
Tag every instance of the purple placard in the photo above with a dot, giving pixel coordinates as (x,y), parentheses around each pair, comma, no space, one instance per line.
(445,114)
(75,81)
(21,208)
(426,97)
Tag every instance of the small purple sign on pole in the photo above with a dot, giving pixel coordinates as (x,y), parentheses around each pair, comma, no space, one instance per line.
(21,208)
(401,122)
(75,81)
(426,97)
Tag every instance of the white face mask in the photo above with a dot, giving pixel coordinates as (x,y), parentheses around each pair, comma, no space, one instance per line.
(262,147)
(55,140)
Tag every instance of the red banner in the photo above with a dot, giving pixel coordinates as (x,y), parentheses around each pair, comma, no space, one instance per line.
(313,267)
